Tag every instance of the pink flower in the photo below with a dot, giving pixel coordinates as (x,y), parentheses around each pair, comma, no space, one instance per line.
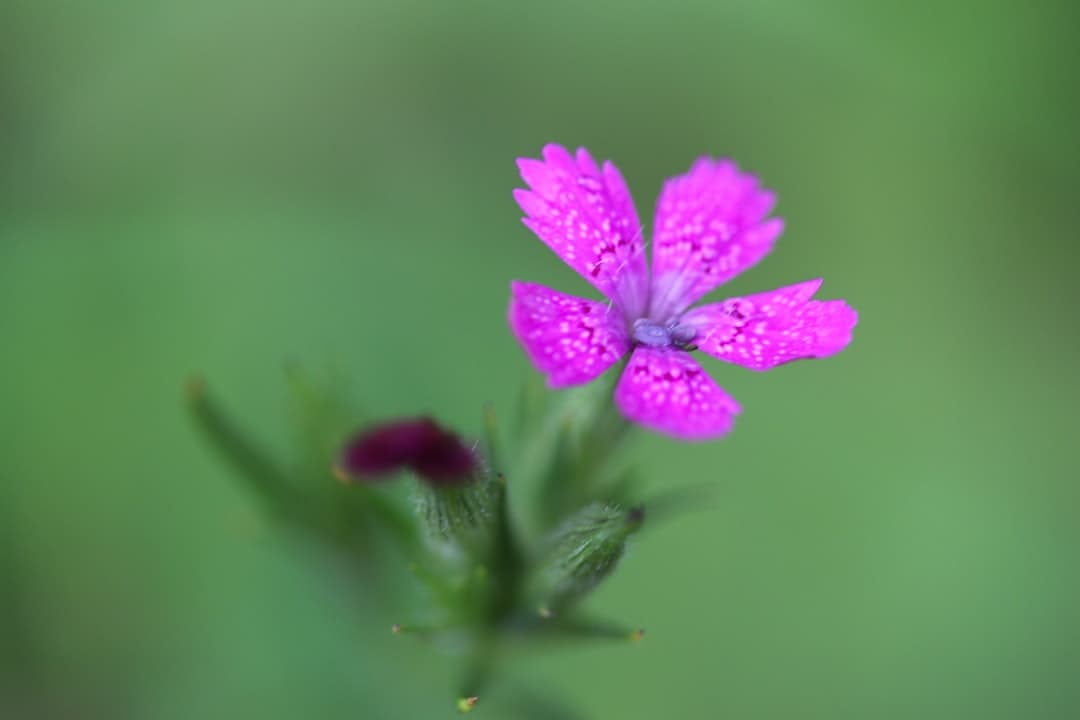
(711,224)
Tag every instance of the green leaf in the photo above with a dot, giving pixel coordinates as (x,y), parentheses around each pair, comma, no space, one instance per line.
(251,463)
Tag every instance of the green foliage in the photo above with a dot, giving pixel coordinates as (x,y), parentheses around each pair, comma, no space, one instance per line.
(484,580)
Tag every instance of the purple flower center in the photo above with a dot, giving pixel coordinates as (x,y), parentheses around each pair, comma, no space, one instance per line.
(653,334)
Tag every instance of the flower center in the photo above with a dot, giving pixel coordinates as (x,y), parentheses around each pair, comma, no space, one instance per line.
(647,332)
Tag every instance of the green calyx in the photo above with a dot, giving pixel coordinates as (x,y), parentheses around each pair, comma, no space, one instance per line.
(453,512)
(582,552)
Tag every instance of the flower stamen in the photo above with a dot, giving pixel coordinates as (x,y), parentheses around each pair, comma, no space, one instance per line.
(673,334)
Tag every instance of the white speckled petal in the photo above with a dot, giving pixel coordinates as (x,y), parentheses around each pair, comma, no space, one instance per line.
(710,226)
(665,390)
(570,339)
(585,214)
(772,328)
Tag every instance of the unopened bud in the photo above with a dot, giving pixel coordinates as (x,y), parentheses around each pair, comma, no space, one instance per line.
(584,552)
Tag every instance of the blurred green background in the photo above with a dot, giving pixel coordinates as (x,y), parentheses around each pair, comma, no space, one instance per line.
(226,185)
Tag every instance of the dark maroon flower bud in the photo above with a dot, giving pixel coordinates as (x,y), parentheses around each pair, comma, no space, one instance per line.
(434,453)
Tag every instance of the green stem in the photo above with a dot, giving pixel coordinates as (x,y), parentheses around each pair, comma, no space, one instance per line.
(506,555)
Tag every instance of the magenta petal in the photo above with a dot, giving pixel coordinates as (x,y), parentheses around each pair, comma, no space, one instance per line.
(768,329)
(666,390)
(710,226)
(586,215)
(570,339)
(437,455)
